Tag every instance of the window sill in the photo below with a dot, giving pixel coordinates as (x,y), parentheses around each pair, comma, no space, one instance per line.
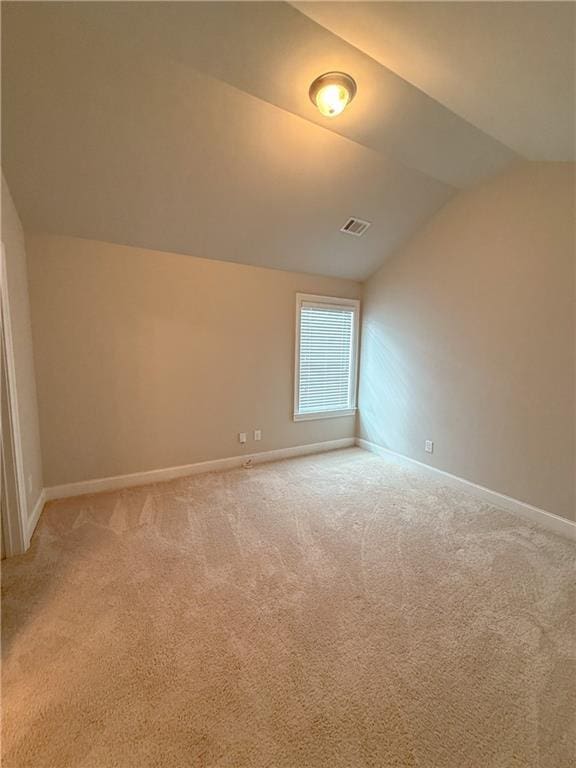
(324,414)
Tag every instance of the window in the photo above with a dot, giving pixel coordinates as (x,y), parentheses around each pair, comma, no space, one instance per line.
(326,357)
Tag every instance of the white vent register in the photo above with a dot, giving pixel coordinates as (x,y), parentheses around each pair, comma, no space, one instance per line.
(355,227)
(326,357)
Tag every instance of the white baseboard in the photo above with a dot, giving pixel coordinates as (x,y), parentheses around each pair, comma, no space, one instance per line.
(554,523)
(170,473)
(35,516)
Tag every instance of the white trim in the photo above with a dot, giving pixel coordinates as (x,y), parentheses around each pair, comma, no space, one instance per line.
(554,523)
(170,473)
(315,300)
(324,414)
(35,515)
(15,520)
(312,300)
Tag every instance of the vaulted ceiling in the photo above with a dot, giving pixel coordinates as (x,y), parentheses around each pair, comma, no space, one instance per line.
(187,127)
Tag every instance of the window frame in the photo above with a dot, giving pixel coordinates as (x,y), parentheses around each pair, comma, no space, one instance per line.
(336,303)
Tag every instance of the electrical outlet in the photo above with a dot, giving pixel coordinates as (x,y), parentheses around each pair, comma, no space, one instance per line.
(257,434)
(429,446)
(242,437)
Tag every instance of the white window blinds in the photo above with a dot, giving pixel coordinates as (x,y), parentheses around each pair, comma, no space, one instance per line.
(326,364)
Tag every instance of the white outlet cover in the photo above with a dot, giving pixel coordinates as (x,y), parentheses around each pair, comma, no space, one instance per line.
(429,446)
(257,434)
(242,437)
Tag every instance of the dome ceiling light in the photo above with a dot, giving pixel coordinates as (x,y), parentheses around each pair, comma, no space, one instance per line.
(332,92)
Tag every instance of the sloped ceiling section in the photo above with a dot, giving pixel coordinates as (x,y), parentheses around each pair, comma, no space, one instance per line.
(509,68)
(187,127)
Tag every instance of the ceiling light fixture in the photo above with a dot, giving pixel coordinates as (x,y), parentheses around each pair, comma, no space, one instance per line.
(332,92)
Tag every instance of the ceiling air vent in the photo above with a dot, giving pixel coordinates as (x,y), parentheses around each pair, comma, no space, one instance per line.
(355,227)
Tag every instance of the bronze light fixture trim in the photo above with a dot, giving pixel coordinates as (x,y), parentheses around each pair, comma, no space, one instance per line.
(332,92)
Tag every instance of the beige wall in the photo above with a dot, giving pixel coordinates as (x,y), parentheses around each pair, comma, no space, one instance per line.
(148,360)
(13,239)
(468,339)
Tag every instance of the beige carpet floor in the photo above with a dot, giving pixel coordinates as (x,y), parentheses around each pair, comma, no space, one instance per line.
(333,611)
